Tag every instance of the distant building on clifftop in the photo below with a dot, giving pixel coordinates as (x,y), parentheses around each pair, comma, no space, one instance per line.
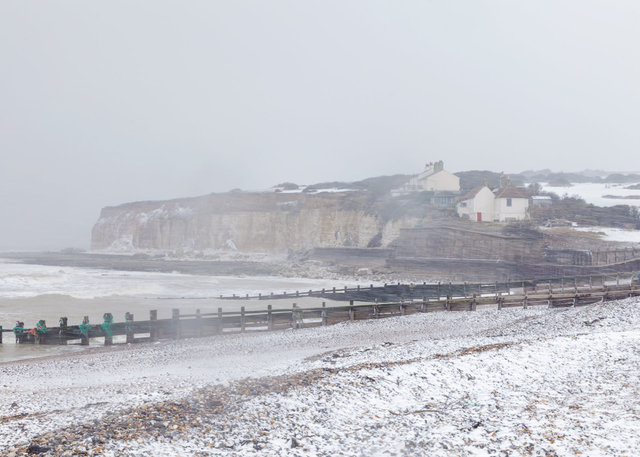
(434,178)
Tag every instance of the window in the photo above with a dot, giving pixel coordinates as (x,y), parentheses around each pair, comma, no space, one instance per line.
(508,202)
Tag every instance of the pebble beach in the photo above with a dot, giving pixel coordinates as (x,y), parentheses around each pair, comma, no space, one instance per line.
(517,382)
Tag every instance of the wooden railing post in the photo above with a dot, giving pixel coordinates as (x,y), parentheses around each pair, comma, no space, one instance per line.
(220,322)
(62,337)
(297,319)
(106,327)
(0,334)
(84,336)
(325,316)
(269,317)
(153,325)
(242,319)
(175,322)
(472,305)
(525,303)
(130,330)
(352,311)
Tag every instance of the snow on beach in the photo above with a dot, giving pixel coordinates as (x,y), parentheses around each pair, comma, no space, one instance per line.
(515,382)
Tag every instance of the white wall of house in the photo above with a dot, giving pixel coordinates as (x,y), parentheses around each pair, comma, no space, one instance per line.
(511,209)
(482,202)
(441,181)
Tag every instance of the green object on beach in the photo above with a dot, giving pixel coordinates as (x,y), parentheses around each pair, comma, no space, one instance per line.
(106,325)
(84,328)
(41,327)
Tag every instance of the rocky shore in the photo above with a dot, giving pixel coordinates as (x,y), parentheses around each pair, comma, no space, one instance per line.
(517,382)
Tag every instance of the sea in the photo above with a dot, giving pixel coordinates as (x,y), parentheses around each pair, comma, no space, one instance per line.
(29,293)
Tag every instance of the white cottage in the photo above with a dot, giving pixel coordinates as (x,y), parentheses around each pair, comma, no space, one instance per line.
(502,205)
(434,178)
(511,204)
(477,205)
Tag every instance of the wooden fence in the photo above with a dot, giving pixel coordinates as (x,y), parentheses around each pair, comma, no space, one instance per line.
(399,291)
(553,293)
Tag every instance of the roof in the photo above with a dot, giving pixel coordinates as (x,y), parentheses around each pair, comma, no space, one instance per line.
(511,192)
(472,193)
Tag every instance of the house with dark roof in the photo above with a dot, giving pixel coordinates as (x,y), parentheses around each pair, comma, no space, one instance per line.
(511,204)
(477,204)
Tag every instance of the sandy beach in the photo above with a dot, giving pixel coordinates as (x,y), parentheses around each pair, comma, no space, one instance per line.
(493,383)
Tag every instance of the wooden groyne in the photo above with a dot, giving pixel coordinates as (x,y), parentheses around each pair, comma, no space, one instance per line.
(557,293)
(435,291)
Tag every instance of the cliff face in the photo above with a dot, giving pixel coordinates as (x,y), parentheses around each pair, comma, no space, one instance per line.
(247,222)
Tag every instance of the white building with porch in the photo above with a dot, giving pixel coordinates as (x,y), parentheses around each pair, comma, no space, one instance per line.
(434,178)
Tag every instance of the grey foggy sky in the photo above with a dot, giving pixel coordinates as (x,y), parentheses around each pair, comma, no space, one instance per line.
(107,102)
